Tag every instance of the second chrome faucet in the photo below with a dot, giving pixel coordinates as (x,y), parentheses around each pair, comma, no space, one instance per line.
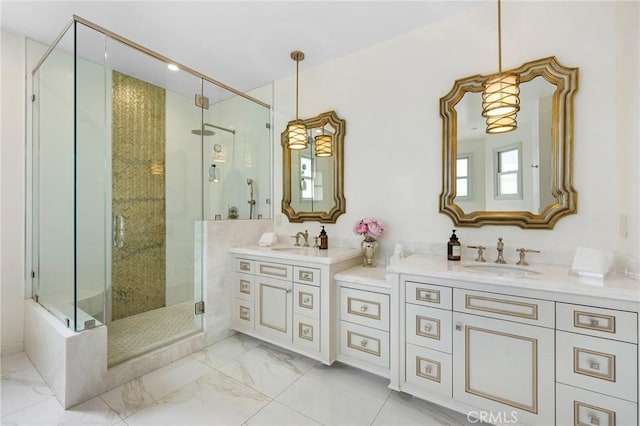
(500,248)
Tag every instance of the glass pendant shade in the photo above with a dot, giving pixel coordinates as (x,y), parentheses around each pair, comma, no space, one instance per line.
(501,95)
(297,132)
(324,147)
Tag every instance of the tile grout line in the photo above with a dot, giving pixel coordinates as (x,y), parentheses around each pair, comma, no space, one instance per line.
(381,407)
(32,405)
(282,403)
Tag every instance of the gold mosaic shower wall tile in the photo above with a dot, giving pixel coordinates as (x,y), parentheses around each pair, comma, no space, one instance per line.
(138,185)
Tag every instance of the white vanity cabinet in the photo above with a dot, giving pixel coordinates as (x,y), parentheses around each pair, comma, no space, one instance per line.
(597,353)
(504,354)
(287,300)
(364,320)
(517,350)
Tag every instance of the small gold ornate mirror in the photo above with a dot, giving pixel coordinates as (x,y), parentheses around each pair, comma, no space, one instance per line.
(522,178)
(312,179)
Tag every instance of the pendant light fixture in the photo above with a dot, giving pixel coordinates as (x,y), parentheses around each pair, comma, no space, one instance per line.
(324,146)
(297,130)
(500,98)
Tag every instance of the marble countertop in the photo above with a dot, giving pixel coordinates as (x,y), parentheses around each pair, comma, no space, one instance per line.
(552,278)
(300,254)
(364,275)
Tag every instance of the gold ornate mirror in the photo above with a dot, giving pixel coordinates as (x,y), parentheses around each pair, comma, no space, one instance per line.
(522,178)
(312,185)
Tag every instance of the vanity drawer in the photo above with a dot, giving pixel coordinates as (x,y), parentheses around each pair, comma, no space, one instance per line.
(306,332)
(520,309)
(428,327)
(364,343)
(306,300)
(606,323)
(596,364)
(580,407)
(364,307)
(243,314)
(245,266)
(243,286)
(305,275)
(428,294)
(428,369)
(274,270)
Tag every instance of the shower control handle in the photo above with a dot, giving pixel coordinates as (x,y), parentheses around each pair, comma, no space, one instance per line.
(118,231)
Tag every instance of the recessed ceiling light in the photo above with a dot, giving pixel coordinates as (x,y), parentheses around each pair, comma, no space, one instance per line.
(173,67)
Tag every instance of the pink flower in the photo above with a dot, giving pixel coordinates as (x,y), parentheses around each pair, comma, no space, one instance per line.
(370,227)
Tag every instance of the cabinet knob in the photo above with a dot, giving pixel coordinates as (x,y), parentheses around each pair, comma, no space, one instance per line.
(594,420)
(305,331)
(363,308)
(593,322)
(427,369)
(306,300)
(458,327)
(427,327)
(288,290)
(594,365)
(363,343)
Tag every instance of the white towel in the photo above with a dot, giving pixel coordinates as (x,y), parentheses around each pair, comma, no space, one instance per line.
(268,239)
(589,262)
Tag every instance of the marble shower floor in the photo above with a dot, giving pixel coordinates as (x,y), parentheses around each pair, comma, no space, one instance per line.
(238,381)
(131,336)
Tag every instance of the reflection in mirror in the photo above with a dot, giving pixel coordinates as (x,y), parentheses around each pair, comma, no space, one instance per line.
(507,171)
(312,181)
(523,177)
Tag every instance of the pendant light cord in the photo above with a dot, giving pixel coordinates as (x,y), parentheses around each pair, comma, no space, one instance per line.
(499,38)
(297,74)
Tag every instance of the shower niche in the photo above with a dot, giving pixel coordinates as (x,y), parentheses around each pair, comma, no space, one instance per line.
(132,154)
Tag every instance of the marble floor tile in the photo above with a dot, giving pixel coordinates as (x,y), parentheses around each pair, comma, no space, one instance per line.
(268,369)
(50,412)
(226,350)
(144,391)
(21,385)
(402,409)
(276,414)
(337,395)
(214,399)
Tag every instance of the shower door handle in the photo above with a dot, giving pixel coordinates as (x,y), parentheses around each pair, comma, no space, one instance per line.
(118,231)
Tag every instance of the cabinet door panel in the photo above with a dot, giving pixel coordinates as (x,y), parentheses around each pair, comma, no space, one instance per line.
(428,327)
(504,366)
(428,369)
(575,406)
(596,364)
(274,308)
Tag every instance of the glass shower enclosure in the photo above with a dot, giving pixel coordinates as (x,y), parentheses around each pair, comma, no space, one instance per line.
(132,152)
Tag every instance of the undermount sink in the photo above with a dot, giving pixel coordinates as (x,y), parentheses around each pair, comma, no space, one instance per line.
(503,269)
(292,250)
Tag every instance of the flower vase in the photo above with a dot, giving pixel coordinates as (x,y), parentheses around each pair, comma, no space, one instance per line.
(369,248)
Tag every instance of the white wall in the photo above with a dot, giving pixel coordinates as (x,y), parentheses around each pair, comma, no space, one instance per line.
(12,126)
(389,95)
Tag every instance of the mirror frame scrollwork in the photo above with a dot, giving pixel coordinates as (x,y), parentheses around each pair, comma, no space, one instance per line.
(340,203)
(566,198)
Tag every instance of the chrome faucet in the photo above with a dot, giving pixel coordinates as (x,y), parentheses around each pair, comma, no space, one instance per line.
(304,235)
(522,252)
(500,248)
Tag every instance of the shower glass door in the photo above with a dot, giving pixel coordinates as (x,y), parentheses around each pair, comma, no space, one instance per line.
(155,202)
